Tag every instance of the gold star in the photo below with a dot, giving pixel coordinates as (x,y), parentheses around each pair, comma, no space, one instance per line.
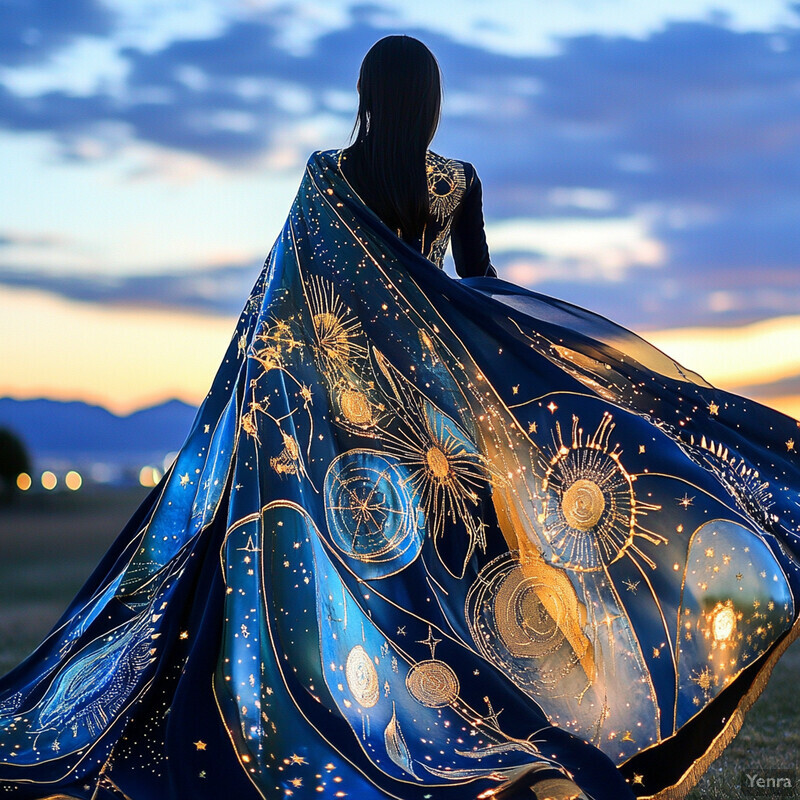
(185,480)
(739,576)
(685,501)
(184,634)
(552,406)
(201,774)
(631,586)
(200,744)
(296,782)
(713,409)
(638,779)
(206,428)
(532,427)
(703,679)
(790,444)
(515,389)
(656,653)
(305,392)
(641,448)
(295,759)
(709,552)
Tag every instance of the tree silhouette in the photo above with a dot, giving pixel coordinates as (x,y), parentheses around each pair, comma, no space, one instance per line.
(13,460)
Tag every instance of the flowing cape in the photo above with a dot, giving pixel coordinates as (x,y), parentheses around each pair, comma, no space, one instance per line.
(424,535)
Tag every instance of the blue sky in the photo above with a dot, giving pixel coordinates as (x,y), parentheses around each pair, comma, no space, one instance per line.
(638,158)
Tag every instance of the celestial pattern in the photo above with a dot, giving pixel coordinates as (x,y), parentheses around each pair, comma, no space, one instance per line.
(425,537)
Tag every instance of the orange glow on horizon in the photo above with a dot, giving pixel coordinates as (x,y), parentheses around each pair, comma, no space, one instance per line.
(126,359)
(121,358)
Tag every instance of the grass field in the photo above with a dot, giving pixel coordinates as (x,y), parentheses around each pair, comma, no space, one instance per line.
(50,544)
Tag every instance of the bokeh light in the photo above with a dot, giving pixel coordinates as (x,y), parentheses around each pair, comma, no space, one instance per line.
(24,481)
(73,480)
(49,480)
(149,476)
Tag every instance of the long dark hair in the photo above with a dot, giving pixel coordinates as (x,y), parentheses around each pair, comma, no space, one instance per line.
(398,113)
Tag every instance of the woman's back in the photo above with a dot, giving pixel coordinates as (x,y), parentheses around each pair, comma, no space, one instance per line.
(455,211)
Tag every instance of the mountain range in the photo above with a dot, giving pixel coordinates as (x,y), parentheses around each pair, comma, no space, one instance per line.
(75,432)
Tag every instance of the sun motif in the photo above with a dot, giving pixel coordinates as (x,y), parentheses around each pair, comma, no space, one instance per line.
(590,513)
(446,469)
(336,330)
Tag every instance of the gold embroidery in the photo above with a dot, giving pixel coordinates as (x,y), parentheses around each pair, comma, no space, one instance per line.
(446,185)
(432,683)
(362,677)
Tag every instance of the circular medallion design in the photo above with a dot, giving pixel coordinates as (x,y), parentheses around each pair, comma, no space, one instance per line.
(362,677)
(530,614)
(583,504)
(355,407)
(437,462)
(372,513)
(590,513)
(432,683)
(526,619)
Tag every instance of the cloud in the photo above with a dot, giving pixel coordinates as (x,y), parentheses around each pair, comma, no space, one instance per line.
(694,128)
(31,30)
(218,290)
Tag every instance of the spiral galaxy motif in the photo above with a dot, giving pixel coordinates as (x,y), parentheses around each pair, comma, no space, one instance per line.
(372,513)
(362,677)
(530,614)
(432,683)
(525,617)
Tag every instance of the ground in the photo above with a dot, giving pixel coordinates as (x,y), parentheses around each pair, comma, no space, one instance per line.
(49,545)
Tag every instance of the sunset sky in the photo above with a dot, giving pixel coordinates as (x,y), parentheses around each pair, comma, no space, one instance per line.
(641,159)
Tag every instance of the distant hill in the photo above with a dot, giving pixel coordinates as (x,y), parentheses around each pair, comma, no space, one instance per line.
(79,432)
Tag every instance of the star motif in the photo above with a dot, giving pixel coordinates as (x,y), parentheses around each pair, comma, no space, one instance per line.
(638,779)
(206,428)
(201,774)
(515,389)
(656,653)
(295,759)
(199,744)
(185,480)
(401,631)
(184,635)
(431,641)
(631,586)
(685,501)
(552,407)
(305,393)
(641,448)
(532,427)
(739,576)
(703,679)
(790,445)
(713,409)
(296,782)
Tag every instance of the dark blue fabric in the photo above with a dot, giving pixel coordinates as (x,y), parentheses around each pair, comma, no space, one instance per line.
(424,535)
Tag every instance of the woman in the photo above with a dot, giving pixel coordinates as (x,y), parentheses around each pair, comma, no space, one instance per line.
(427,538)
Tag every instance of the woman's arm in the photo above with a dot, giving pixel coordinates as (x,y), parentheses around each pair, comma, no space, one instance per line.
(467,236)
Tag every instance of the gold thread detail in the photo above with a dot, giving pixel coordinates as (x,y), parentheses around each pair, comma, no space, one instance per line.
(432,683)
(362,677)
(583,504)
